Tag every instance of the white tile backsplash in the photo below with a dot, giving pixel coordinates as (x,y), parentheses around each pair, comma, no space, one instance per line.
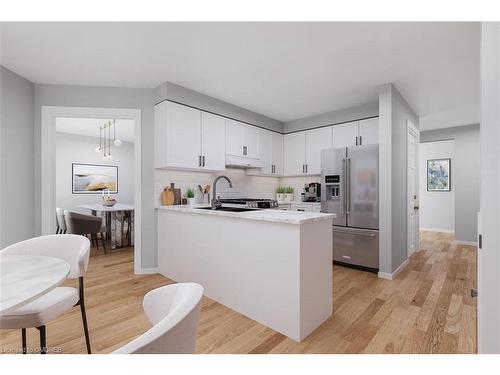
(244,186)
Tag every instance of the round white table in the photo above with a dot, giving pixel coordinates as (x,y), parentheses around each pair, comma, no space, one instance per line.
(24,278)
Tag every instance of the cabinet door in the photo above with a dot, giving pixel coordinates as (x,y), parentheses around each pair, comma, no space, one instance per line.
(316,140)
(234,138)
(183,136)
(277,156)
(345,134)
(213,141)
(266,151)
(294,153)
(251,135)
(368,131)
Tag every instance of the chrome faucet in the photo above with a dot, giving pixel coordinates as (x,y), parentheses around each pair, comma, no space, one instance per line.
(216,203)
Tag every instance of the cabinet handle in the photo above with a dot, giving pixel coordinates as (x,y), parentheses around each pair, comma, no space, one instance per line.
(360,140)
(245,150)
(203,160)
(303,169)
(306,168)
(199,160)
(356,140)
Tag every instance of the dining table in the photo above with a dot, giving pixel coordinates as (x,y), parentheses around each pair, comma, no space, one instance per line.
(24,278)
(114,217)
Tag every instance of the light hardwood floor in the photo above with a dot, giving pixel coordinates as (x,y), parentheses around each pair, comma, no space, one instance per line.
(426,309)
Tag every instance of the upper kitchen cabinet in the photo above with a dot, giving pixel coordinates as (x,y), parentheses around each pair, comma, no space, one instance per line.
(294,153)
(213,141)
(187,138)
(316,141)
(345,135)
(356,133)
(242,140)
(368,131)
(271,154)
(277,154)
(302,151)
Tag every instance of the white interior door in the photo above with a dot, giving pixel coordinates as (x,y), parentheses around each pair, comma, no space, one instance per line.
(412,188)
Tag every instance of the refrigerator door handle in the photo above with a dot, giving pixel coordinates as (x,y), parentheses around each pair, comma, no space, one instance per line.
(348,186)
(344,187)
(355,232)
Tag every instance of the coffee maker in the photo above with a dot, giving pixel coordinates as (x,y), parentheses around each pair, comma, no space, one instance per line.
(311,192)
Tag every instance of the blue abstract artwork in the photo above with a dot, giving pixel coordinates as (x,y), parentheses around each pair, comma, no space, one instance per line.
(438,175)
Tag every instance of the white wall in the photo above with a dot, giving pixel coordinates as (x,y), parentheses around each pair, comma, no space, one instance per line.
(437,208)
(17,196)
(488,304)
(71,148)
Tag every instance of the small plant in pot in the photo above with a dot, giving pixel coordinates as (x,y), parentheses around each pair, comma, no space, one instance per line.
(280,193)
(288,192)
(190,197)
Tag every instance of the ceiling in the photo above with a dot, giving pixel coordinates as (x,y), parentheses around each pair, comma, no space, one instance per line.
(283,70)
(90,127)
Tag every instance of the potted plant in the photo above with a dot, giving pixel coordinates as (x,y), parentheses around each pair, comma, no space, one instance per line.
(190,197)
(288,192)
(280,196)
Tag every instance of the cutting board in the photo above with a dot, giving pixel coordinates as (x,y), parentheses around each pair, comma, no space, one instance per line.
(167,197)
(177,194)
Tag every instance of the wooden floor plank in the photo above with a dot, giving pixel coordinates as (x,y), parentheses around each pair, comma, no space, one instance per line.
(427,308)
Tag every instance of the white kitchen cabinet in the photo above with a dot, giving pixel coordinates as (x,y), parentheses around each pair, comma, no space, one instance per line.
(187,138)
(213,141)
(242,139)
(183,136)
(345,135)
(356,133)
(368,131)
(294,152)
(316,141)
(277,154)
(271,154)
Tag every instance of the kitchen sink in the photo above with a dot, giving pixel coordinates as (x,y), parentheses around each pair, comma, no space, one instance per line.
(231,209)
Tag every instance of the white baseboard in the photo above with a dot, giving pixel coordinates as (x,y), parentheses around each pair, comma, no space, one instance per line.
(468,243)
(147,271)
(391,276)
(451,231)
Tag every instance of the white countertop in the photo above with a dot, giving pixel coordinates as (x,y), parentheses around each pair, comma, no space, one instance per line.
(277,216)
(298,202)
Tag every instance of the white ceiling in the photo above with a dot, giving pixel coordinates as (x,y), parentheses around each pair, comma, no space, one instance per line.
(90,127)
(283,70)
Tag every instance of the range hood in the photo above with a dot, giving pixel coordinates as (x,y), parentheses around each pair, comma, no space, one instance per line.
(242,162)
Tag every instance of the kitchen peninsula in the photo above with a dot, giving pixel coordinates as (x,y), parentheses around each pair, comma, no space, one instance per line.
(273,266)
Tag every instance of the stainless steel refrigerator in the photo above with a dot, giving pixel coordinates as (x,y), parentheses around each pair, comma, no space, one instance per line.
(350,190)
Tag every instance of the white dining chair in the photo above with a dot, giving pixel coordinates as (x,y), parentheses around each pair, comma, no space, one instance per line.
(73,249)
(61,222)
(173,310)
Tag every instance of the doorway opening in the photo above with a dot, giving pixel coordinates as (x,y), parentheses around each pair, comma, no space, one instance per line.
(91,172)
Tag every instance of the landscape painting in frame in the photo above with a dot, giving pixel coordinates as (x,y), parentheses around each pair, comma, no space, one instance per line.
(438,175)
(94,179)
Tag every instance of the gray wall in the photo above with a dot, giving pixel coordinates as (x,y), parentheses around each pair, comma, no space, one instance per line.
(394,112)
(108,97)
(17,196)
(176,93)
(466,176)
(72,148)
(334,117)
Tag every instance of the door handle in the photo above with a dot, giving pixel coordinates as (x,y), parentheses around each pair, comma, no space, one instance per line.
(199,160)
(203,158)
(355,233)
(245,150)
(343,185)
(348,186)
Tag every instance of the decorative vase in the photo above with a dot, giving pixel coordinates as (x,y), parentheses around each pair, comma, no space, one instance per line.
(280,197)
(191,201)
(288,197)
